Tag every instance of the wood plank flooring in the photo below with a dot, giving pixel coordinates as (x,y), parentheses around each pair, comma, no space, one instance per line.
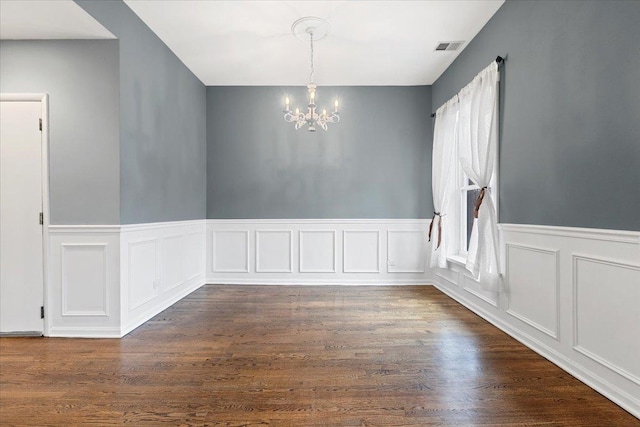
(298,356)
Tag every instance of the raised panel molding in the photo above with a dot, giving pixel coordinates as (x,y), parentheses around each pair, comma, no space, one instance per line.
(317,251)
(274,251)
(361,251)
(84,279)
(406,251)
(321,251)
(532,276)
(476,289)
(142,265)
(83,298)
(194,255)
(173,262)
(606,298)
(230,251)
(106,280)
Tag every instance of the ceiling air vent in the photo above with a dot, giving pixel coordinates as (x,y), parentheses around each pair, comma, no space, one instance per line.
(448,46)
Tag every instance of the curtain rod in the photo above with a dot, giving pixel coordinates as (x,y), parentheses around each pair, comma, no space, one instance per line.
(499,59)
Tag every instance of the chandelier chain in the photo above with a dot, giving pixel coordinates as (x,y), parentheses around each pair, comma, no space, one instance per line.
(311,38)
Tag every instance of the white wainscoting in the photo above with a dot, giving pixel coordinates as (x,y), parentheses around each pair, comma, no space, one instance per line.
(107,280)
(84,278)
(161,263)
(322,251)
(570,294)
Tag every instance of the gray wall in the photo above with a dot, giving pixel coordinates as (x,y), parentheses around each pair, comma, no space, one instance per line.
(376,163)
(570,142)
(162,123)
(81,78)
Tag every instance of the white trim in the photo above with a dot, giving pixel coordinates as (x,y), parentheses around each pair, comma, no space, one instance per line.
(475,293)
(576,344)
(126,228)
(130,245)
(556,280)
(65,312)
(617,247)
(615,394)
(214,267)
(43,98)
(85,332)
(317,282)
(300,248)
(84,229)
(319,221)
(344,252)
(23,97)
(272,231)
(147,315)
(424,248)
(622,236)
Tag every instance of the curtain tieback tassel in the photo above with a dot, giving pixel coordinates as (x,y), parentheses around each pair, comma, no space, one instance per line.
(479,201)
(439,227)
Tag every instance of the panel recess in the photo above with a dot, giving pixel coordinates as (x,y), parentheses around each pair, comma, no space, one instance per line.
(84,279)
(231,251)
(274,251)
(532,280)
(317,251)
(361,251)
(406,251)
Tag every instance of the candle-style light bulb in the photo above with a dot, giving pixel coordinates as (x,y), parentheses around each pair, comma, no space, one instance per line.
(336,105)
(286,103)
(297,111)
(324,111)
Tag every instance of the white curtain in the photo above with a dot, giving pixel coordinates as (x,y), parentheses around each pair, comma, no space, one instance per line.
(443,182)
(477,150)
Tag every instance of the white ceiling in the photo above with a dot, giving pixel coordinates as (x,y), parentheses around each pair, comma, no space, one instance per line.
(370,42)
(48,19)
(248,43)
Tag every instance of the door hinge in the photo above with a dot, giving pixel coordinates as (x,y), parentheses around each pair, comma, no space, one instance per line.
(42,311)
(40,124)
(41,218)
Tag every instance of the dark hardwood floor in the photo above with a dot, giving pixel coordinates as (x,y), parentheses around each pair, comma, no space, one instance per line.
(298,356)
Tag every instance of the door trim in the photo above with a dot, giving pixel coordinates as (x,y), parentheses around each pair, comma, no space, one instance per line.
(43,98)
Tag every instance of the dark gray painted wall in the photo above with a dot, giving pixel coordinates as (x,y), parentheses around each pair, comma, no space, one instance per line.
(570,142)
(376,163)
(81,78)
(162,123)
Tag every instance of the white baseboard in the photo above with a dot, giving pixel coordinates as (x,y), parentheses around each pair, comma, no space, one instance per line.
(160,306)
(84,332)
(289,282)
(566,295)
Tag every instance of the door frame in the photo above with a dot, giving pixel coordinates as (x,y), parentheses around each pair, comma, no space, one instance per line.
(43,99)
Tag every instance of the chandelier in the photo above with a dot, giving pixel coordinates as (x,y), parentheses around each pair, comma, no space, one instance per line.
(310,28)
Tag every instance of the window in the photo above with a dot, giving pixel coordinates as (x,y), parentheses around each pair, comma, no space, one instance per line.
(465,198)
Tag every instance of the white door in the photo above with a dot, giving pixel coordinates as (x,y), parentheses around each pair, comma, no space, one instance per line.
(21,264)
